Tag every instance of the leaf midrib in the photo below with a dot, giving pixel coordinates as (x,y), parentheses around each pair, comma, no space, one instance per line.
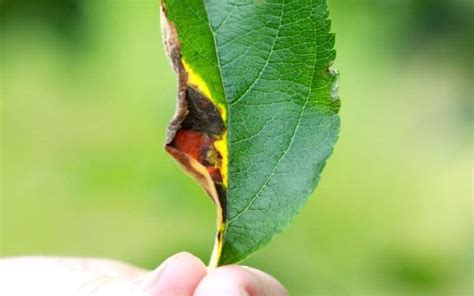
(301,113)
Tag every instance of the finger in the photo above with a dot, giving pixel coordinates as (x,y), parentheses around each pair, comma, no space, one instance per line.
(178,275)
(236,280)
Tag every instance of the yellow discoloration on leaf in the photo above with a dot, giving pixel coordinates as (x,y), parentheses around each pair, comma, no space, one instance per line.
(198,82)
(223,149)
(221,145)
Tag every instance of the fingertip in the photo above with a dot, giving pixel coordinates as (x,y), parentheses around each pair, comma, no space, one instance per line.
(268,285)
(178,275)
(234,280)
(229,280)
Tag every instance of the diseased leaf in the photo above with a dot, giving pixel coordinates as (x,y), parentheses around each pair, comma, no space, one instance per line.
(257,110)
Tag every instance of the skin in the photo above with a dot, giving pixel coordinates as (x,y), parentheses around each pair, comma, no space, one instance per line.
(180,275)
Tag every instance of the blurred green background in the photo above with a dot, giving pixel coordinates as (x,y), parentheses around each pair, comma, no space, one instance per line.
(87,93)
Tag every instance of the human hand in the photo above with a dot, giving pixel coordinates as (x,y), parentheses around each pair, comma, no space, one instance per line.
(180,275)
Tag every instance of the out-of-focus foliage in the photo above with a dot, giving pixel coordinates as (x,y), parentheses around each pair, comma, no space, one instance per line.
(86,97)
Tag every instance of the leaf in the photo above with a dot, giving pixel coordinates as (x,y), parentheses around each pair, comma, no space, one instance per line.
(257,110)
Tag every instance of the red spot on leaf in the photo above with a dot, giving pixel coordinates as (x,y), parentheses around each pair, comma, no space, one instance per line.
(198,145)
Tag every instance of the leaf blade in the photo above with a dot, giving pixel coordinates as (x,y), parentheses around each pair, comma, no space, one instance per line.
(281,113)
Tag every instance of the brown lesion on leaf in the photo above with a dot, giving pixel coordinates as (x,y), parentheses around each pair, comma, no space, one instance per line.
(191,140)
(197,131)
(195,127)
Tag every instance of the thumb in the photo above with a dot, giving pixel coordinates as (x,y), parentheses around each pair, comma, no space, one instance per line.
(178,275)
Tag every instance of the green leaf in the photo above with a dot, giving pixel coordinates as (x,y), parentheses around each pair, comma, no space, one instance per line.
(257,110)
